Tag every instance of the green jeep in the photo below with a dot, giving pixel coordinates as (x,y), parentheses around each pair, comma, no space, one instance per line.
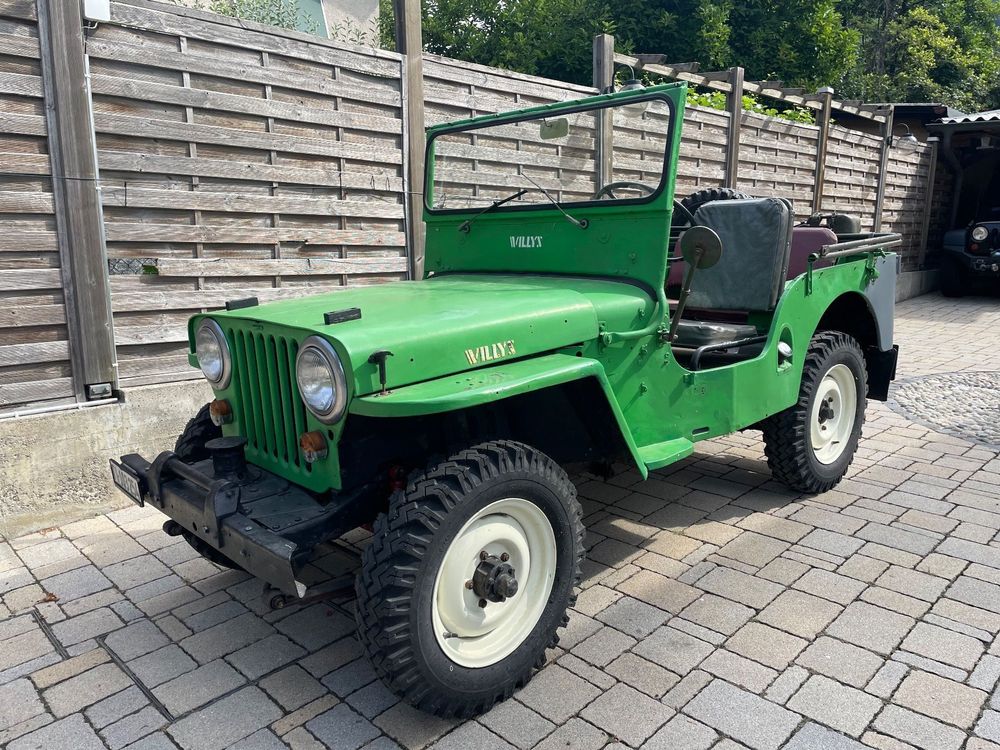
(547,331)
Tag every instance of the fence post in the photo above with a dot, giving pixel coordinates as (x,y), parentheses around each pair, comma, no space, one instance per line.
(932,142)
(77,198)
(883,166)
(409,43)
(822,144)
(734,105)
(604,80)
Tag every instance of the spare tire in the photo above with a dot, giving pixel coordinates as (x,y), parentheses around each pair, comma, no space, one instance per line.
(700,197)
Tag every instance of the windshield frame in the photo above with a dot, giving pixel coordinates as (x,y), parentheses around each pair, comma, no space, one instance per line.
(539,113)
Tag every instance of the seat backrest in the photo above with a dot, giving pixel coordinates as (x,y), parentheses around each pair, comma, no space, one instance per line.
(756,236)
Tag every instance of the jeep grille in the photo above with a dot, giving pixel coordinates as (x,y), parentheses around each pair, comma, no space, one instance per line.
(270,410)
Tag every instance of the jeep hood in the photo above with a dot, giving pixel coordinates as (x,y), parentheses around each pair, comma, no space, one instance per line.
(449,324)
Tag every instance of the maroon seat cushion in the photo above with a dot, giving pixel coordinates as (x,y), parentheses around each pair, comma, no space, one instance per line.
(805,242)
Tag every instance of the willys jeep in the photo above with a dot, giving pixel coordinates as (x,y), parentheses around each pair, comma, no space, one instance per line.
(440,413)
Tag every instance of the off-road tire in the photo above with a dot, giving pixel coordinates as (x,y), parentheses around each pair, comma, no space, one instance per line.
(700,197)
(399,568)
(953,280)
(786,434)
(190,446)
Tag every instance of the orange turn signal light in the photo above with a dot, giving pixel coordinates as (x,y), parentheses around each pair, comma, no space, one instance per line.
(313,446)
(221,412)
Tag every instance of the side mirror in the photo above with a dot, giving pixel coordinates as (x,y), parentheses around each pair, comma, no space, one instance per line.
(550,129)
(701,247)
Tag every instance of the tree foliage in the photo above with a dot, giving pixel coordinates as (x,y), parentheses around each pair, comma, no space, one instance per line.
(885,50)
(286,14)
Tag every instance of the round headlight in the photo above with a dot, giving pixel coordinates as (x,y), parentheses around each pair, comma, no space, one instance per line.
(321,379)
(980,233)
(213,353)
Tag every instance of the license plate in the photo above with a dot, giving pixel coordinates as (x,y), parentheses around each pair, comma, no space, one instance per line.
(126,481)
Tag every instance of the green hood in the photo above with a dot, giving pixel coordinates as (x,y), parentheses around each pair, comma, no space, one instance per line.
(448,324)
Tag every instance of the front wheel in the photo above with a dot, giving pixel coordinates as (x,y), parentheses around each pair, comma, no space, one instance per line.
(810,444)
(469,575)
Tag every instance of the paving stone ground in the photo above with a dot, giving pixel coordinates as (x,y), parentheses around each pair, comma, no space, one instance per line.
(718,611)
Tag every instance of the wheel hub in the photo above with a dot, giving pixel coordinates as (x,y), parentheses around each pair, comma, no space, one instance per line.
(494,582)
(833,414)
(826,411)
(494,579)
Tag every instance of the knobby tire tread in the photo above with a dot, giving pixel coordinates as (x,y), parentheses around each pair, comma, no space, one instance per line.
(786,440)
(391,562)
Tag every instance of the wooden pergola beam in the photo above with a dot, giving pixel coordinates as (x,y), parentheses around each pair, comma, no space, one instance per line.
(718,80)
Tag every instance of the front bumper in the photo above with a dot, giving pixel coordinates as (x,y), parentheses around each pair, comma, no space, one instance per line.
(986,266)
(258,520)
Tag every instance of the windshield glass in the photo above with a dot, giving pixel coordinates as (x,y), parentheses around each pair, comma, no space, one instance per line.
(553,158)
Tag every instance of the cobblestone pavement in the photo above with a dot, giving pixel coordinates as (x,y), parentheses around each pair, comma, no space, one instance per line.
(963,404)
(718,611)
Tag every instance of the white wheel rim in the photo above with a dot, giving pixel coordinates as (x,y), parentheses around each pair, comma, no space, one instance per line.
(833,412)
(474,636)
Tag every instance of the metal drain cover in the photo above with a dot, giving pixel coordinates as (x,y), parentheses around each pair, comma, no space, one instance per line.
(961,404)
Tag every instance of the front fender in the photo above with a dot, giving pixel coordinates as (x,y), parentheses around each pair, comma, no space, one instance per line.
(468,389)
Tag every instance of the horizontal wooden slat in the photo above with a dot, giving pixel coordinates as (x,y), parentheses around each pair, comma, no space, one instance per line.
(121,232)
(222,68)
(460,71)
(203,99)
(160,298)
(34,279)
(39,390)
(14,202)
(19,238)
(19,46)
(205,200)
(149,17)
(22,124)
(26,316)
(243,170)
(19,84)
(23,354)
(143,127)
(24,164)
(19,9)
(283,267)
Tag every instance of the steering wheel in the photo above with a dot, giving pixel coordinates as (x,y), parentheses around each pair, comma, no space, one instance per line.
(680,210)
(608,191)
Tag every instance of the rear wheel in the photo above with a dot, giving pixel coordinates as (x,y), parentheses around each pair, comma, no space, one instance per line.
(469,575)
(810,444)
(952,278)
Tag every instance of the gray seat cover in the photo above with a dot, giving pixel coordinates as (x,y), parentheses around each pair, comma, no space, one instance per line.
(756,239)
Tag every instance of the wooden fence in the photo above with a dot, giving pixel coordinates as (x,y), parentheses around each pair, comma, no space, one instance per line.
(34,336)
(237,163)
(235,160)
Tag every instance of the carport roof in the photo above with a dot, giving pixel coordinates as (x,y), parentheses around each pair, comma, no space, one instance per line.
(992,115)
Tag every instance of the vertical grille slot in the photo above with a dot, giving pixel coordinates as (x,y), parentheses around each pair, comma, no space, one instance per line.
(271,411)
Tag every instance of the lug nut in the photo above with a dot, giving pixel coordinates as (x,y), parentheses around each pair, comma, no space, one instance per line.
(504,557)
(468,584)
(482,604)
(483,555)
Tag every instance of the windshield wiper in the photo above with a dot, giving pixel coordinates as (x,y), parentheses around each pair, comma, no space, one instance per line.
(582,223)
(466,225)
